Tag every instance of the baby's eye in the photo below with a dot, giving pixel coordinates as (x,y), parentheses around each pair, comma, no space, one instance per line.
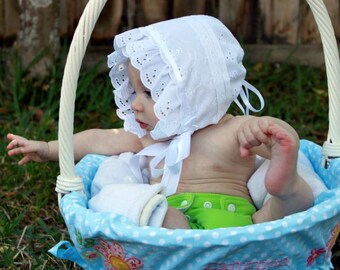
(147,93)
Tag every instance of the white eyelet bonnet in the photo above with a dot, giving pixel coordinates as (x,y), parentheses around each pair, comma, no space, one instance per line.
(193,68)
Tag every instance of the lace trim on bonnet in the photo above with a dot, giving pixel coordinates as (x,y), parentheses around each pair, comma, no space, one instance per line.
(193,68)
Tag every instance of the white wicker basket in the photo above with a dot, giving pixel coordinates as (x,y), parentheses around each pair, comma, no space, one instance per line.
(307,249)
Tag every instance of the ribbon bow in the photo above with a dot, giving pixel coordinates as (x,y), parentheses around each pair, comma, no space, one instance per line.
(172,152)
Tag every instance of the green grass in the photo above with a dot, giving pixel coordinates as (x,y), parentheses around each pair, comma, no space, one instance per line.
(30,222)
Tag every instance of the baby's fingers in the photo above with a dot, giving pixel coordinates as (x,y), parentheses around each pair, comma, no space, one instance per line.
(246,141)
(20,147)
(244,151)
(243,142)
(12,144)
(15,141)
(258,132)
(24,160)
(251,136)
(16,151)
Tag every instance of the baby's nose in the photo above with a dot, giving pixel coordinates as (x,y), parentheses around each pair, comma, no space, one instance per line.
(136,105)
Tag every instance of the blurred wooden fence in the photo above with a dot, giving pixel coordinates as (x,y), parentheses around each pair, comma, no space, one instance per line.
(258,22)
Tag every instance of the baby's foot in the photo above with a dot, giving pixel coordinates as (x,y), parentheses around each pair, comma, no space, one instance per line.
(290,193)
(281,177)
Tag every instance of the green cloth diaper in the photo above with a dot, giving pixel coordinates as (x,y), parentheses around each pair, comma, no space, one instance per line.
(211,210)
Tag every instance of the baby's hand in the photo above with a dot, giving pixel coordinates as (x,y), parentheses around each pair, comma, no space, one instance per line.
(32,150)
(254,132)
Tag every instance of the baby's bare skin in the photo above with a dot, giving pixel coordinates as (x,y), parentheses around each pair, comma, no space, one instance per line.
(222,159)
(215,164)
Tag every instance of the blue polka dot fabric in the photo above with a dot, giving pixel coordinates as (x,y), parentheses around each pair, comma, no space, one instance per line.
(109,241)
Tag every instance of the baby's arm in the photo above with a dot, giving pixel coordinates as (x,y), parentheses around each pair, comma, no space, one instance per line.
(96,141)
(105,142)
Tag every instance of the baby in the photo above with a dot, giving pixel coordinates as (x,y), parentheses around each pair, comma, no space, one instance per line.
(174,82)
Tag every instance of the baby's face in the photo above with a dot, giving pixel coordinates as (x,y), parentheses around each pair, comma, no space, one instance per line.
(142,104)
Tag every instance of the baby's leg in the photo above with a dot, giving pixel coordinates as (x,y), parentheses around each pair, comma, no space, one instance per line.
(290,192)
(174,219)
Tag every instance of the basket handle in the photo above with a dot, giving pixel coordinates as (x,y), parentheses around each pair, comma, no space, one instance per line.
(68,180)
(331,147)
